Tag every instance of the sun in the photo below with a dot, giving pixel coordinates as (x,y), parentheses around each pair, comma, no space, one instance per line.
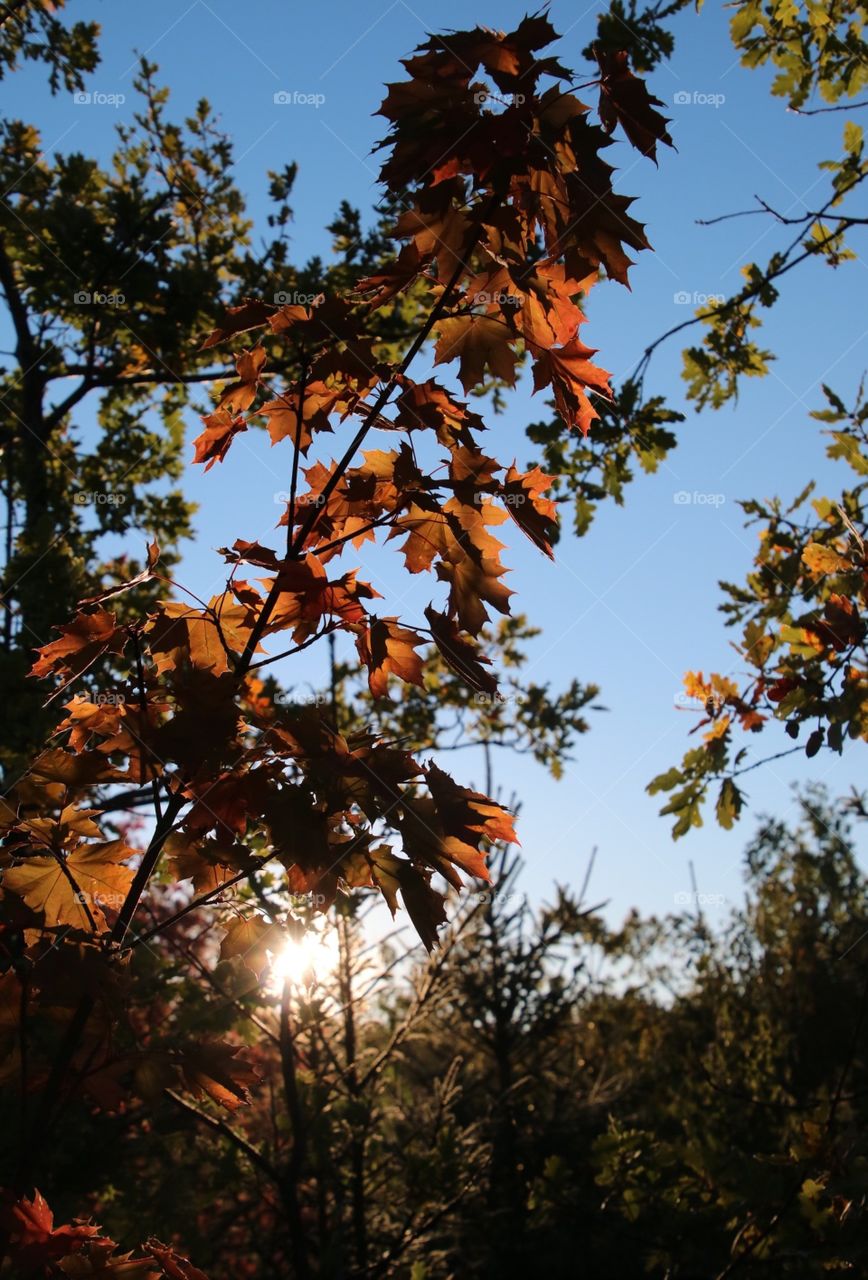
(304,961)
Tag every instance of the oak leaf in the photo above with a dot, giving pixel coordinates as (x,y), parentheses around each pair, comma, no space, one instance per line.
(841,625)
(820,559)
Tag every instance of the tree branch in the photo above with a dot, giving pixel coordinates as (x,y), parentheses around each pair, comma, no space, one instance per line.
(309,523)
(256,1158)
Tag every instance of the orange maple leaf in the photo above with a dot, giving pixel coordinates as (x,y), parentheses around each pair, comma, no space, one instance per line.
(480,343)
(571,374)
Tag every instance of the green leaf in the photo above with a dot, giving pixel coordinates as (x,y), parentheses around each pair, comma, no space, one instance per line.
(729,804)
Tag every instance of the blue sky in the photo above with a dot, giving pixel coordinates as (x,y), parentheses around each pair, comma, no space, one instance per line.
(632,605)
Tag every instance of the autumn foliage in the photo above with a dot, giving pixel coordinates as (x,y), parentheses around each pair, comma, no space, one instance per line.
(510,218)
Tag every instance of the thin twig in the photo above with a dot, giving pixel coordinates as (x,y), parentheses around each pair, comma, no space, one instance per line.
(255,1156)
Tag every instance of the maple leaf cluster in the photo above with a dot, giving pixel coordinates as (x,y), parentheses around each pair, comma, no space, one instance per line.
(510,218)
(38,1248)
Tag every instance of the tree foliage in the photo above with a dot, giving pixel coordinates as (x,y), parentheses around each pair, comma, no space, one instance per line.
(196,1029)
(108,274)
(800,630)
(671,1099)
(509,216)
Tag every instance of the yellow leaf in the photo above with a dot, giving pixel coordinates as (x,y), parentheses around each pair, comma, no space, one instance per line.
(93,878)
(820,560)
